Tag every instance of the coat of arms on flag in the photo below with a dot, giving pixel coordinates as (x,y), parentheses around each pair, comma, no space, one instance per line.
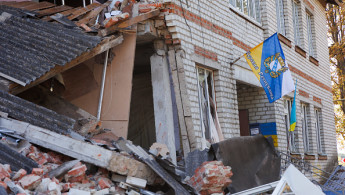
(268,63)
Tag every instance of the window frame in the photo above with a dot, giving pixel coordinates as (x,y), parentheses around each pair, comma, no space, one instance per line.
(291,135)
(250,8)
(296,23)
(305,127)
(280,17)
(206,133)
(318,128)
(309,20)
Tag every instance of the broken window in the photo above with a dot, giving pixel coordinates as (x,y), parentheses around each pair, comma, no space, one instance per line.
(296,22)
(250,8)
(305,127)
(318,128)
(291,135)
(280,17)
(208,115)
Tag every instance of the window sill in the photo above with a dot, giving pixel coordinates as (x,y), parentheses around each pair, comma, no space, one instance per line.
(284,40)
(296,156)
(309,156)
(313,60)
(322,157)
(300,51)
(242,15)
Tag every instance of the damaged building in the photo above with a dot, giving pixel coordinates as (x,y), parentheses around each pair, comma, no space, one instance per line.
(162,72)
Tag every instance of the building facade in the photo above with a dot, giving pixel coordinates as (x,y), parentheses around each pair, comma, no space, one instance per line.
(212,34)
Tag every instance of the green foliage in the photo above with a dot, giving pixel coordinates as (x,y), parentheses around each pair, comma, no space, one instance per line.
(336,31)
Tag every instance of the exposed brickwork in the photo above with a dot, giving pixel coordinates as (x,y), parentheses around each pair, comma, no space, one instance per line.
(205,53)
(206,24)
(316,99)
(309,78)
(211,177)
(309,4)
(303,93)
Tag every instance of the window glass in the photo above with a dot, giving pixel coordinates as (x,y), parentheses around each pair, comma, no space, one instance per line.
(310,35)
(250,8)
(280,17)
(305,127)
(318,131)
(291,135)
(296,23)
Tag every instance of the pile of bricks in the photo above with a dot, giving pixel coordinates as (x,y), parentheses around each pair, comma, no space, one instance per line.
(78,180)
(211,177)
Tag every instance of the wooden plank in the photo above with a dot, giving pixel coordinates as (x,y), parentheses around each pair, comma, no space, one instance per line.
(38,6)
(22,4)
(106,44)
(80,150)
(65,13)
(7,2)
(53,10)
(129,22)
(83,10)
(92,14)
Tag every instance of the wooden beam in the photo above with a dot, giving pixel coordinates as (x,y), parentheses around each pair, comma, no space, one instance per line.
(53,10)
(65,13)
(38,6)
(22,4)
(80,150)
(129,22)
(92,14)
(106,44)
(83,10)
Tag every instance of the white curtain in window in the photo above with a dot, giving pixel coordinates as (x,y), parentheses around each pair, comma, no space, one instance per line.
(295,11)
(305,128)
(310,35)
(318,132)
(280,17)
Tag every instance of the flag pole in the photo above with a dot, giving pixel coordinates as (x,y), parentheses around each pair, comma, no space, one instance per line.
(233,62)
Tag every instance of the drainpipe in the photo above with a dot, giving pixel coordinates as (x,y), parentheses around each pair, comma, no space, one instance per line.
(102,86)
(63,2)
(84,5)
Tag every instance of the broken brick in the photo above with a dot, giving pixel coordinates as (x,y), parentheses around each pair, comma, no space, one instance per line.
(21,173)
(104,183)
(78,179)
(30,182)
(7,168)
(211,177)
(3,172)
(37,171)
(77,171)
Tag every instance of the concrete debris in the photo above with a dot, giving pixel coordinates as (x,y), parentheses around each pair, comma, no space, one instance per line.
(159,149)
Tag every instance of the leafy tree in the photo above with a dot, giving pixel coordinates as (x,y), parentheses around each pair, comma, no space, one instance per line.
(336,33)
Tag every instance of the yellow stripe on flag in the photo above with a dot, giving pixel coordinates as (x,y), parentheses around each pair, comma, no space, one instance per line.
(292,126)
(255,54)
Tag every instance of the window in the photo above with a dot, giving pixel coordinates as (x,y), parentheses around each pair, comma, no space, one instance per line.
(296,23)
(320,148)
(305,127)
(291,135)
(208,115)
(250,8)
(280,17)
(310,35)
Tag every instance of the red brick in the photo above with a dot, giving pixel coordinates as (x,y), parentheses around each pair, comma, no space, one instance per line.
(77,179)
(104,183)
(30,182)
(77,171)
(37,171)
(3,172)
(21,173)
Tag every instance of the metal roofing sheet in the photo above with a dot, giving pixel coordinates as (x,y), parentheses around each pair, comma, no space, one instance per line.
(36,115)
(29,47)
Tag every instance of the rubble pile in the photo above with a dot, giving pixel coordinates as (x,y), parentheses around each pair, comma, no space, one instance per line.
(58,174)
